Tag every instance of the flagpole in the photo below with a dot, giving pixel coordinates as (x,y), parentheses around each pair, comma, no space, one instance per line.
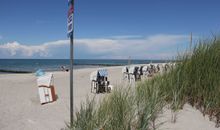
(71,81)
(71,35)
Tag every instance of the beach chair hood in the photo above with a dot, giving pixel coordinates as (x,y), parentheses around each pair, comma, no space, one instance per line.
(45,80)
(132,69)
(125,69)
(103,72)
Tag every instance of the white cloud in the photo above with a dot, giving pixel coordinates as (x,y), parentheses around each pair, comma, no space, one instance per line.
(154,47)
(126,37)
(15,49)
(100,45)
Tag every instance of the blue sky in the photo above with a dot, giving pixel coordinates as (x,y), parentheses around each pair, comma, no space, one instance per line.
(142,29)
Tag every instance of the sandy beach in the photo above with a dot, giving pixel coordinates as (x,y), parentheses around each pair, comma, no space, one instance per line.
(20,107)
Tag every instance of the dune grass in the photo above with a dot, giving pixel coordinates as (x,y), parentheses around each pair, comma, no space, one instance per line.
(121,110)
(194,80)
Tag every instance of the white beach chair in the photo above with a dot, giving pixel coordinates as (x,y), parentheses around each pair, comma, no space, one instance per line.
(46,88)
(140,73)
(133,72)
(99,81)
(125,73)
(145,70)
(93,79)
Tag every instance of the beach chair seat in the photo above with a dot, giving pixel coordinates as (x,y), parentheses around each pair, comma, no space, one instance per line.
(46,94)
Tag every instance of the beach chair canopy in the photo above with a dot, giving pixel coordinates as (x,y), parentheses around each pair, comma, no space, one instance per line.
(103,72)
(125,69)
(132,69)
(95,74)
(45,80)
(145,68)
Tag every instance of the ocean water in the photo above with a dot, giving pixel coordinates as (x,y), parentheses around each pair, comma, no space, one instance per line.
(31,65)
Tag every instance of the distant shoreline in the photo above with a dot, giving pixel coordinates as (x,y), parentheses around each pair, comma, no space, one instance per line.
(76,66)
(32,65)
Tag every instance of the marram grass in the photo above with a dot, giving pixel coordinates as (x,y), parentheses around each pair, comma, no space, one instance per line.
(195,80)
(121,110)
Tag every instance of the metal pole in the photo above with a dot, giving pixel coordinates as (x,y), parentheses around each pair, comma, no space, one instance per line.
(71,75)
(190,42)
(71,80)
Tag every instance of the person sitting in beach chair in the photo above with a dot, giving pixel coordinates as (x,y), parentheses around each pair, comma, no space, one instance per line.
(99,81)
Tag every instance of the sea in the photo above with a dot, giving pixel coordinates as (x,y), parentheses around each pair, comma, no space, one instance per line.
(32,65)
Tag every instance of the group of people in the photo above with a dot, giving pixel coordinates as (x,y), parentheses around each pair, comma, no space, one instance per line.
(99,78)
(135,72)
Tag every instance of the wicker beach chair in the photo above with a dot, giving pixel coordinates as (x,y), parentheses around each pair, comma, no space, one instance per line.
(125,73)
(133,74)
(46,90)
(99,81)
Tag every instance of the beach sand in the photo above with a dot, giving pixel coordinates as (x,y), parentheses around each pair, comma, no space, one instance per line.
(20,107)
